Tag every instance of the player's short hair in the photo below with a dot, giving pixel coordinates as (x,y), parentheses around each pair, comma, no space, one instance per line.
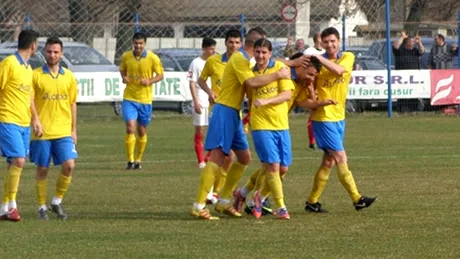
(259,30)
(27,38)
(140,36)
(253,35)
(54,40)
(233,34)
(208,42)
(330,31)
(314,61)
(263,43)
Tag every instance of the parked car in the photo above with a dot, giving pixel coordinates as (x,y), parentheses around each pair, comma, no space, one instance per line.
(176,60)
(358,50)
(35,61)
(78,57)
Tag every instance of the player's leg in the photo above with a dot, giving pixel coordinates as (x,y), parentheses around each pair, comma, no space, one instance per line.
(130,115)
(64,154)
(145,116)
(199,121)
(218,142)
(311,135)
(40,155)
(339,155)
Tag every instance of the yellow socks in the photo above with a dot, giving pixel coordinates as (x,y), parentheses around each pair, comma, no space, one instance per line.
(41,191)
(260,181)
(6,191)
(347,180)
(206,181)
(14,175)
(276,188)
(250,184)
(130,142)
(220,180)
(319,183)
(62,185)
(234,174)
(140,147)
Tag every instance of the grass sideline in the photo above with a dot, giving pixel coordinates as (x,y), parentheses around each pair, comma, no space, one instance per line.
(409,162)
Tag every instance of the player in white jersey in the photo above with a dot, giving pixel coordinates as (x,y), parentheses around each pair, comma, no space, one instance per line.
(200,98)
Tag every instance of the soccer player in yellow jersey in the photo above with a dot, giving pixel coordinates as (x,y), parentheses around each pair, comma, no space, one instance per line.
(140,69)
(225,130)
(329,122)
(214,69)
(15,101)
(54,124)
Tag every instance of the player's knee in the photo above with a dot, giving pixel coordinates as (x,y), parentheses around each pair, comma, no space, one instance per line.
(328,161)
(141,130)
(42,172)
(130,128)
(339,157)
(67,167)
(244,158)
(18,162)
(272,168)
(283,170)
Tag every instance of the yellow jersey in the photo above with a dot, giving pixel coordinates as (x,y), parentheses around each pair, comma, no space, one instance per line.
(299,94)
(272,116)
(237,71)
(137,68)
(15,91)
(214,68)
(53,97)
(331,86)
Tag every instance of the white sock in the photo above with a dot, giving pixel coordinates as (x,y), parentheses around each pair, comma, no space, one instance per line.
(4,207)
(43,207)
(224,201)
(250,202)
(12,204)
(244,191)
(198,206)
(210,194)
(56,201)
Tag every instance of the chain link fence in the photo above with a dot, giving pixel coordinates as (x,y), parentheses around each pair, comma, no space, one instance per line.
(108,26)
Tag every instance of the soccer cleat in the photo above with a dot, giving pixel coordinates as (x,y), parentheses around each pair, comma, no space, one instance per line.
(248,210)
(314,207)
(42,214)
(312,146)
(364,202)
(257,209)
(227,210)
(130,166)
(13,215)
(137,165)
(4,215)
(266,208)
(215,198)
(283,214)
(203,214)
(59,210)
(239,200)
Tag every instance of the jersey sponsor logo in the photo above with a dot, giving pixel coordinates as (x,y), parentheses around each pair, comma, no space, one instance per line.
(54,97)
(24,88)
(266,90)
(332,83)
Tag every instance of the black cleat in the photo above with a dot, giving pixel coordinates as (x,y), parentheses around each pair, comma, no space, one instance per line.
(42,214)
(248,210)
(130,166)
(314,207)
(266,208)
(137,165)
(364,202)
(59,210)
(312,146)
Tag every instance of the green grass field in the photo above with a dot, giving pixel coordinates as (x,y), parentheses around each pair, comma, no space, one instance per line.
(410,163)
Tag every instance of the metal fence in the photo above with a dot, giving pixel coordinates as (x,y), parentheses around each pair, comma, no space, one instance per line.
(109,25)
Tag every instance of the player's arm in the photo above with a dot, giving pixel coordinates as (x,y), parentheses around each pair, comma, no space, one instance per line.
(259,81)
(36,124)
(73,108)
(5,71)
(158,69)
(314,104)
(123,70)
(280,98)
(192,77)
(205,74)
(301,61)
(345,65)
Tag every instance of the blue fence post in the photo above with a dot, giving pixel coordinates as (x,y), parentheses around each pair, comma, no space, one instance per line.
(344,30)
(136,22)
(388,36)
(27,21)
(458,51)
(242,25)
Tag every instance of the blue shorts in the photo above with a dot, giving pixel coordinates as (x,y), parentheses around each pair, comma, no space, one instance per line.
(225,130)
(142,113)
(273,146)
(14,141)
(61,150)
(329,135)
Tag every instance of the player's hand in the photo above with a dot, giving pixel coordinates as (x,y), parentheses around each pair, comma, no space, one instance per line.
(284,73)
(145,82)
(330,102)
(212,98)
(417,40)
(74,137)
(259,102)
(37,128)
(404,34)
(197,107)
(125,80)
(302,61)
